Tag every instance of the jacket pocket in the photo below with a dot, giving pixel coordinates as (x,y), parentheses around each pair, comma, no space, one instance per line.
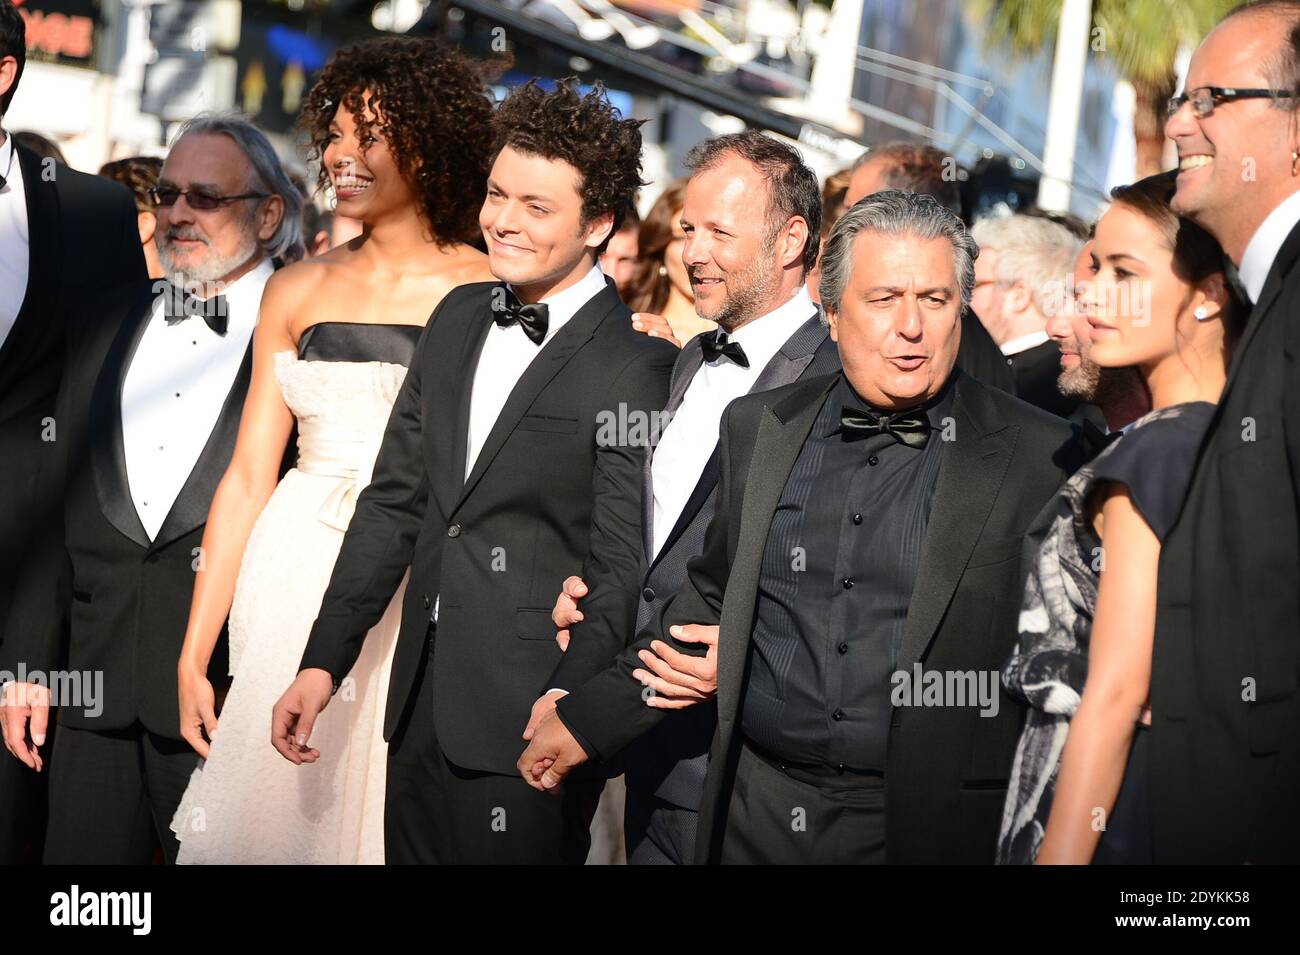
(533,624)
(540,422)
(81,595)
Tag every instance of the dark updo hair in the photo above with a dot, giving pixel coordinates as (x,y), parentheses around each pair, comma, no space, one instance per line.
(587,132)
(434,112)
(1197,255)
(647,289)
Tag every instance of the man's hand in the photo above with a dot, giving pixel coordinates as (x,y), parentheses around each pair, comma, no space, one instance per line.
(543,708)
(295,714)
(675,679)
(551,755)
(566,612)
(198,709)
(19,703)
(655,326)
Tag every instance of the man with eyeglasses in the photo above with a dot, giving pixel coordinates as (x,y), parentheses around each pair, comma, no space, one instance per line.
(147,415)
(64,236)
(1225,750)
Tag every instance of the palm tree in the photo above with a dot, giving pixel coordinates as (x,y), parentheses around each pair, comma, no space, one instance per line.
(1141,37)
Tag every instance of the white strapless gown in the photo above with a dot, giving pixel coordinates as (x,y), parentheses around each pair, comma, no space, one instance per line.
(247,803)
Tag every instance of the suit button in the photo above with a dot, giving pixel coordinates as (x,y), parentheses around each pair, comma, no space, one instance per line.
(153,558)
(648,595)
(837,715)
(843,648)
(873,460)
(453,530)
(857,518)
(847,583)
(426,601)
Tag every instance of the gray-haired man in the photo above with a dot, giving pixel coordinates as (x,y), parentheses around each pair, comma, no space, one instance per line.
(147,414)
(863,566)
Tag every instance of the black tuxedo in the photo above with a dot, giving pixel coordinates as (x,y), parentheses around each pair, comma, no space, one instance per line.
(979,356)
(82,240)
(123,599)
(1225,735)
(947,767)
(548,496)
(1036,372)
(667,766)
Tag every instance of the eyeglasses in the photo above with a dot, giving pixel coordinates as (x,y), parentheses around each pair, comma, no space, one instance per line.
(1205,98)
(199,199)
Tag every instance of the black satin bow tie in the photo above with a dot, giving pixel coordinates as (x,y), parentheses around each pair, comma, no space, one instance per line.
(911,428)
(717,346)
(507,309)
(178,305)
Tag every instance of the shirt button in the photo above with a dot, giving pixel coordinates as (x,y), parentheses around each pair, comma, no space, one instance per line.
(843,648)
(837,715)
(873,460)
(648,595)
(453,530)
(857,518)
(847,583)
(426,601)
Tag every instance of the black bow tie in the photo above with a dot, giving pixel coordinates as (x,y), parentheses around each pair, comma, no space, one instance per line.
(717,346)
(911,428)
(178,305)
(507,309)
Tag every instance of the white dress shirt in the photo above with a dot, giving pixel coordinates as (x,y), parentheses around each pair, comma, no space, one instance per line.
(15,239)
(1025,342)
(507,353)
(690,437)
(1264,245)
(172,395)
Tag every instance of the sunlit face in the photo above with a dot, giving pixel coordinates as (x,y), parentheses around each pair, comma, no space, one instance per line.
(619,258)
(987,296)
(363,174)
(1069,328)
(210,245)
(532,223)
(1138,308)
(677,273)
(733,267)
(899,322)
(1234,165)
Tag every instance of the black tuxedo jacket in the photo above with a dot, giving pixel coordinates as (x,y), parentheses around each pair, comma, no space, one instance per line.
(669,761)
(1036,371)
(553,492)
(82,241)
(947,767)
(125,599)
(1225,734)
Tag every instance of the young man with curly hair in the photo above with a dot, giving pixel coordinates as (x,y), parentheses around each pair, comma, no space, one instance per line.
(520,426)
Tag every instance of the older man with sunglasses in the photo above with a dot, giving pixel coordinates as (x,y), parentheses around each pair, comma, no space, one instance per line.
(1225,750)
(147,415)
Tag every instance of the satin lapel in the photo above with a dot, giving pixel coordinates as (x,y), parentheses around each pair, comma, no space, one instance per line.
(191,507)
(684,371)
(107,453)
(781,435)
(970,476)
(554,356)
(45,253)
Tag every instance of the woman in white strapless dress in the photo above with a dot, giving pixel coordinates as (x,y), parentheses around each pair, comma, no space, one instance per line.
(334,338)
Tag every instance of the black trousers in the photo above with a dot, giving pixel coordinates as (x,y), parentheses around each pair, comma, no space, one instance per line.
(113,795)
(437,813)
(22,807)
(787,817)
(657,832)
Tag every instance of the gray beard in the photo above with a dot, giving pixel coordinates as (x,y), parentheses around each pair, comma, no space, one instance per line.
(1081,382)
(214,268)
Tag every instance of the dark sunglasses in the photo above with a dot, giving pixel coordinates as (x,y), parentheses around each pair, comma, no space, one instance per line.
(1205,98)
(201,201)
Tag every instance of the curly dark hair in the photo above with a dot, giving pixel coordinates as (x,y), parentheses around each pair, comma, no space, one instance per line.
(137,173)
(435,113)
(584,131)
